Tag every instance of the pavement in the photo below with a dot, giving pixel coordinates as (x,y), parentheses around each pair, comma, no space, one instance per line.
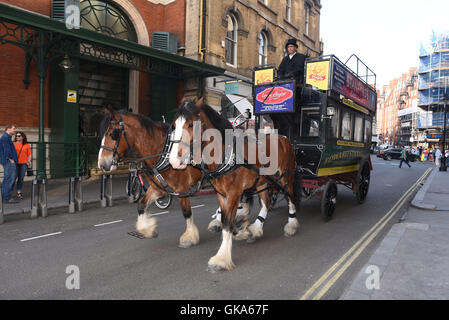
(412,261)
(58,195)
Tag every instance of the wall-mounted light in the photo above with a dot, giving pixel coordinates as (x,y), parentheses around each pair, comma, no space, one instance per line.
(66,65)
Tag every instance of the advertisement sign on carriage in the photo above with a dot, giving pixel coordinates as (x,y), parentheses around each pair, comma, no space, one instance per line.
(351,87)
(263,76)
(279,98)
(318,74)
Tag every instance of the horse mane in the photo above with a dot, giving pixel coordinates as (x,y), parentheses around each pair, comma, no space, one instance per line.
(188,110)
(144,121)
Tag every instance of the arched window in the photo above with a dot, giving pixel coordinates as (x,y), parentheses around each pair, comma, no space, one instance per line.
(106,18)
(263,43)
(231,40)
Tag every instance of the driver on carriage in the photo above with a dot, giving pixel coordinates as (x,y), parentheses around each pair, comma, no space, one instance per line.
(291,67)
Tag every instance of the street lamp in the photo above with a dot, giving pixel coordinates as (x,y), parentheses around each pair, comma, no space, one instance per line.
(66,65)
(443,166)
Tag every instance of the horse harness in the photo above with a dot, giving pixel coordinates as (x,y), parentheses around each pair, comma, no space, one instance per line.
(116,135)
(230,164)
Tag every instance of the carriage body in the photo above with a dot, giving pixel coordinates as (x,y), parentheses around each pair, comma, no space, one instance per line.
(330,126)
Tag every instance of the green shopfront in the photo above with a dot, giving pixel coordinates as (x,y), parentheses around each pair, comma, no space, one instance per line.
(103,63)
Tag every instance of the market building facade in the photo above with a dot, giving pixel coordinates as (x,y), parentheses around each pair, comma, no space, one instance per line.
(126,55)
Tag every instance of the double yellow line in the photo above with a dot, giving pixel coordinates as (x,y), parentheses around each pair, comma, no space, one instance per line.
(358,247)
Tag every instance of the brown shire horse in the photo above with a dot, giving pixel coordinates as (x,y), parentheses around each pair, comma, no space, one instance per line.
(231,186)
(123,132)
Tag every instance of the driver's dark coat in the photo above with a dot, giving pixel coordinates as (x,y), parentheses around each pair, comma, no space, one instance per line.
(293,68)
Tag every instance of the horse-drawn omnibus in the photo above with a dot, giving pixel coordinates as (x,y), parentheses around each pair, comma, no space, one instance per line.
(329,125)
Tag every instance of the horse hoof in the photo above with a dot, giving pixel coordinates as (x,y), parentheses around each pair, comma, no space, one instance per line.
(155,234)
(215,228)
(251,240)
(186,244)
(213,268)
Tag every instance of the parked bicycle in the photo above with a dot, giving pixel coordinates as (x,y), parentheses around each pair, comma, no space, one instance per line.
(138,187)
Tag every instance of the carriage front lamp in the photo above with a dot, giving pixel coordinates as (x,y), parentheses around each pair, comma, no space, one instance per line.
(248,114)
(66,65)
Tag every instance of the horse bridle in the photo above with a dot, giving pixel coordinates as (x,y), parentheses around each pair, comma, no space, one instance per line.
(116,135)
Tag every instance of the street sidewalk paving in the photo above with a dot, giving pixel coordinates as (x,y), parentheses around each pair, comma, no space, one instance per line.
(413,259)
(58,193)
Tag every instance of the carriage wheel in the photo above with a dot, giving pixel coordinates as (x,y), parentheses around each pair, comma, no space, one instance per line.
(329,200)
(363,179)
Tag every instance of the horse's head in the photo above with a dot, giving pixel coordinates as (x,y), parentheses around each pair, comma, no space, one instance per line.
(182,134)
(115,143)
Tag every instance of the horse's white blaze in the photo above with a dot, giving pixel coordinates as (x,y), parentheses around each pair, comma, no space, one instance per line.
(223,258)
(101,151)
(175,161)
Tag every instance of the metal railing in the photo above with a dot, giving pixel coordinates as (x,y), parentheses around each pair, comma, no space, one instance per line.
(62,159)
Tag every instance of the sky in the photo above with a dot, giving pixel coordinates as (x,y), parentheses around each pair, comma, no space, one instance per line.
(384,34)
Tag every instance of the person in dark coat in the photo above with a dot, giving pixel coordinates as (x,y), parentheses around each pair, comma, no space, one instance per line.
(291,67)
(293,64)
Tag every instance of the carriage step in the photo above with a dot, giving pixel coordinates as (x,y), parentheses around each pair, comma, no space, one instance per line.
(136,234)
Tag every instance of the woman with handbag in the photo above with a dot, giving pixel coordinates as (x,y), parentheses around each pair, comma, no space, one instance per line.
(23,150)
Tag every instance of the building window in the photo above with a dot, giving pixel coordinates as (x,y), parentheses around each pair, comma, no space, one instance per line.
(231,41)
(288,11)
(307,18)
(104,17)
(263,43)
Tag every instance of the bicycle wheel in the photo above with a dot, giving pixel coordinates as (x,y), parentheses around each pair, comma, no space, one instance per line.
(136,189)
(164,202)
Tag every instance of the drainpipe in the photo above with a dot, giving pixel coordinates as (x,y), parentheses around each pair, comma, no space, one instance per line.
(202,41)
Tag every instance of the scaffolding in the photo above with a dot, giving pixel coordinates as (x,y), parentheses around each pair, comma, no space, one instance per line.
(434,73)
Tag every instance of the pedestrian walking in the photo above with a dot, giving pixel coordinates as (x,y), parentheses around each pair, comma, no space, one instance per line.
(404,158)
(23,151)
(425,154)
(8,159)
(438,155)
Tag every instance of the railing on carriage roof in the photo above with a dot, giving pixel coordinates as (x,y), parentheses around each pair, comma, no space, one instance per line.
(62,159)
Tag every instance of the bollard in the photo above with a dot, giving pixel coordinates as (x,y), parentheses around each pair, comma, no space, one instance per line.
(106,191)
(79,193)
(75,194)
(33,200)
(39,198)
(43,198)
(71,195)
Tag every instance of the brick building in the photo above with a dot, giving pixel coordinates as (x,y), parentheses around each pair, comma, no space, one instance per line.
(113,58)
(397,110)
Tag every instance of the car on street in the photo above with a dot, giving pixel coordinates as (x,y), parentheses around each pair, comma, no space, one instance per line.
(395,153)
